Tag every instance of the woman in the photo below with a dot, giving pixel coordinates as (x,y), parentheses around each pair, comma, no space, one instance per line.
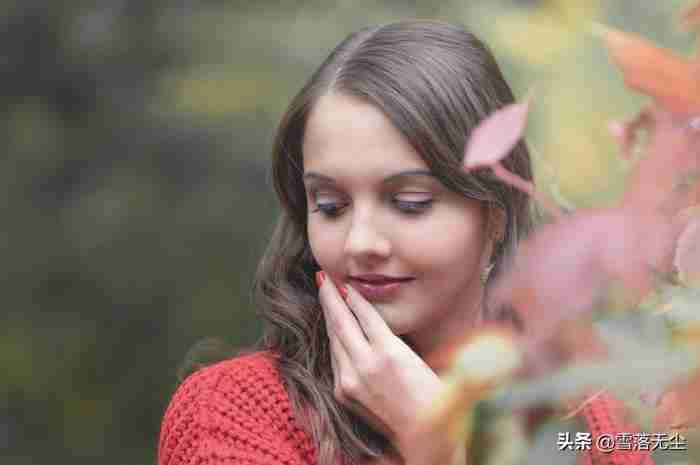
(383,252)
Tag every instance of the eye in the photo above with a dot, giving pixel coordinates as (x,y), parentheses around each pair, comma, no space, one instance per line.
(329,209)
(328,204)
(413,202)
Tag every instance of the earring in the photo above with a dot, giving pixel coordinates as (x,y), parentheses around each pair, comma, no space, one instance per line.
(485,273)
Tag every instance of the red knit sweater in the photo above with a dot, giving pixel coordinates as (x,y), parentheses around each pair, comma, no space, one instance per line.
(234,412)
(237,412)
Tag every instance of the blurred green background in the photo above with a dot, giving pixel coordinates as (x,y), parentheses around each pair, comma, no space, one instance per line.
(135,191)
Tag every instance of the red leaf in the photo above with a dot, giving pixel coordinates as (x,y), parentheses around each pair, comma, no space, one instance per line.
(494,138)
(660,73)
(562,270)
(667,178)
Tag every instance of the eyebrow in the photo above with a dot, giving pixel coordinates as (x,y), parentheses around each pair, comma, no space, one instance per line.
(393,177)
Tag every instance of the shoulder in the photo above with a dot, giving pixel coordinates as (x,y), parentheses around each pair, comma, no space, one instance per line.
(234,411)
(235,379)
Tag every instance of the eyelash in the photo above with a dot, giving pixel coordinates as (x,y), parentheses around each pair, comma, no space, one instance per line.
(332,210)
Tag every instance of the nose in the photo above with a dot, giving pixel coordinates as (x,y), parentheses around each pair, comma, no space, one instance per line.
(367,240)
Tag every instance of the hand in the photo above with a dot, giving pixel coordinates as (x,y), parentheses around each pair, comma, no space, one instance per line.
(376,375)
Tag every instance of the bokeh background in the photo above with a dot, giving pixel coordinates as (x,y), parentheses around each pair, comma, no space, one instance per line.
(134,184)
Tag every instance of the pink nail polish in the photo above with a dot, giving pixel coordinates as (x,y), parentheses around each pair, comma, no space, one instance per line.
(320,277)
(343,292)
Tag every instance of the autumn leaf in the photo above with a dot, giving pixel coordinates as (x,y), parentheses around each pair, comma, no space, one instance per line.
(687,259)
(691,16)
(626,132)
(672,80)
(632,364)
(678,407)
(485,360)
(443,358)
(574,341)
(565,268)
(494,138)
(666,179)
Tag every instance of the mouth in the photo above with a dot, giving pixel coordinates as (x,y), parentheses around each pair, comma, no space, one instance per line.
(378,288)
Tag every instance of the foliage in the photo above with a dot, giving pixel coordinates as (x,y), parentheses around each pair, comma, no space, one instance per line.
(586,284)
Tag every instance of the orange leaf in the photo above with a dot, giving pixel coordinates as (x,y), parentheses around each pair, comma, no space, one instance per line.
(660,73)
(678,408)
(691,16)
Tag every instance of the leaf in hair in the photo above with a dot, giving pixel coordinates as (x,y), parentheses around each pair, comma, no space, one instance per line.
(494,138)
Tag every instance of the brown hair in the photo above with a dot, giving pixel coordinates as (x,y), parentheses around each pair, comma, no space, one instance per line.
(435,82)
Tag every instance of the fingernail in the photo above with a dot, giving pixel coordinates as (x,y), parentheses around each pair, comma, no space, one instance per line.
(343,292)
(320,276)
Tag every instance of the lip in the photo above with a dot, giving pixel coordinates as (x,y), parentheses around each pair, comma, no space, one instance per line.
(378,288)
(378,278)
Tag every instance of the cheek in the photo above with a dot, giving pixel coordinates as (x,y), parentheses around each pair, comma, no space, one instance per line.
(325,243)
(458,244)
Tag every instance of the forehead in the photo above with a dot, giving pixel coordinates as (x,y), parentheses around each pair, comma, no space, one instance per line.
(350,133)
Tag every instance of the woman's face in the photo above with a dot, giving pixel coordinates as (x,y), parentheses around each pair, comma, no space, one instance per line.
(379,221)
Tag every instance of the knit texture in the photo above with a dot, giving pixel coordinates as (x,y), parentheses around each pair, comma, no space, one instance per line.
(238,412)
(605,415)
(234,412)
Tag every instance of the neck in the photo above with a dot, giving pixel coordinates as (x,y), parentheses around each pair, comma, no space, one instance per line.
(432,343)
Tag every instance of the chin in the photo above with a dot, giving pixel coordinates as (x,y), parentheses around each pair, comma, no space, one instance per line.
(398,327)
(399,330)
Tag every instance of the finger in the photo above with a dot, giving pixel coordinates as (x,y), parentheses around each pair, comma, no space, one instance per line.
(340,360)
(342,322)
(334,367)
(371,322)
(370,418)
(333,348)
(342,372)
(343,361)
(343,369)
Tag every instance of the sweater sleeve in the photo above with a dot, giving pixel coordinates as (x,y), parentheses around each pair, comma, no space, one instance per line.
(233,413)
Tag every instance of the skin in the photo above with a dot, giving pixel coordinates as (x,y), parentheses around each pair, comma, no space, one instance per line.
(365,218)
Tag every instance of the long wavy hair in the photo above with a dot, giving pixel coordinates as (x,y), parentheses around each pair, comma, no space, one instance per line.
(435,82)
